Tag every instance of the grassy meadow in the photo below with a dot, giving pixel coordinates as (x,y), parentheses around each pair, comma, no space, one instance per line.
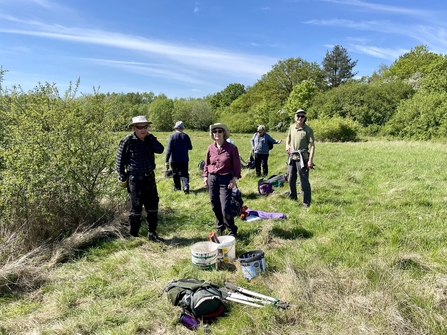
(368,257)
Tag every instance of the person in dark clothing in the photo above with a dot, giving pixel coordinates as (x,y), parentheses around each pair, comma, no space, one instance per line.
(221,171)
(260,146)
(179,144)
(135,163)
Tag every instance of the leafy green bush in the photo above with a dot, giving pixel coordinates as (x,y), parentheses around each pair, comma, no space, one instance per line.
(58,164)
(336,129)
(421,118)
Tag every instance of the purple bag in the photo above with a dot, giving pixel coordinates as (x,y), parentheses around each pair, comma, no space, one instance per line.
(264,187)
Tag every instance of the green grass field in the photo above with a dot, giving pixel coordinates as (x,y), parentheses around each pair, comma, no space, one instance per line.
(368,257)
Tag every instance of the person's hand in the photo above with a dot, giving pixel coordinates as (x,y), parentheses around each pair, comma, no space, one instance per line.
(122,183)
(310,165)
(205,182)
(281,141)
(288,149)
(167,166)
(232,183)
(252,148)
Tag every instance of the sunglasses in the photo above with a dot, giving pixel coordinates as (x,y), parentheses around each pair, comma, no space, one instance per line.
(301,116)
(217,131)
(141,127)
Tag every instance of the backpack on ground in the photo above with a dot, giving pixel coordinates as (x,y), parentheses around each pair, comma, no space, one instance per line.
(198,297)
(264,187)
(277,180)
(236,202)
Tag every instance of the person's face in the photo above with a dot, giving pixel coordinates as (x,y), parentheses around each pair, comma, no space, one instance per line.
(261,132)
(218,133)
(300,118)
(140,129)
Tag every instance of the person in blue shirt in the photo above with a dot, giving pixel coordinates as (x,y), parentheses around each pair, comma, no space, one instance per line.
(260,147)
(135,164)
(179,144)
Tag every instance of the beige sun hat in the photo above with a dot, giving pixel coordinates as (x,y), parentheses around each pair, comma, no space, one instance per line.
(221,126)
(138,119)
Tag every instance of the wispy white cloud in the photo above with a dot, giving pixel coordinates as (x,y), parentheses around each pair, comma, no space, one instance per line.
(265,8)
(151,69)
(383,53)
(381,8)
(433,36)
(196,9)
(195,57)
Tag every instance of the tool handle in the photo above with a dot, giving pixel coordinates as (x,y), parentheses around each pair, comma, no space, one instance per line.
(231,286)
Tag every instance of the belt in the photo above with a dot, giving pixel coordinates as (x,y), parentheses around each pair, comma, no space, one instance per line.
(146,174)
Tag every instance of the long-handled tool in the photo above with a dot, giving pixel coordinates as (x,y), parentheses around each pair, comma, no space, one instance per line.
(261,298)
(242,299)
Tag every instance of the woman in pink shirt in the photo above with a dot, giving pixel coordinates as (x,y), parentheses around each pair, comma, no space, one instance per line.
(221,171)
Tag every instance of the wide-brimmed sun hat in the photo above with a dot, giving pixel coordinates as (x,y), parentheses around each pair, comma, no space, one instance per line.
(179,125)
(138,119)
(221,126)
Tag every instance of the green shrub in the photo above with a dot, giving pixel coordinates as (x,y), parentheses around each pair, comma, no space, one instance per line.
(58,165)
(336,129)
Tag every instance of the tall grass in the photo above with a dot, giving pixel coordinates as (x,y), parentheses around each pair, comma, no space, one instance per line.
(368,257)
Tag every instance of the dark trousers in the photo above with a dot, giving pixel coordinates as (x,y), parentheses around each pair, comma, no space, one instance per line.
(293,171)
(220,197)
(143,192)
(261,160)
(180,173)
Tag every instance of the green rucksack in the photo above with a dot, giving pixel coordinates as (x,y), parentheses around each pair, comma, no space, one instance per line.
(199,297)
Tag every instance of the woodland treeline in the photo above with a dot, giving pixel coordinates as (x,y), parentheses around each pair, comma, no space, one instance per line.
(57,149)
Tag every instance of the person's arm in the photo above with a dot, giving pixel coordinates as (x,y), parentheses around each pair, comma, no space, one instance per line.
(156,145)
(288,142)
(189,144)
(236,162)
(205,168)
(121,159)
(310,163)
(252,141)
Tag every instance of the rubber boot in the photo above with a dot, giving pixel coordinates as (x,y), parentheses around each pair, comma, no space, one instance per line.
(135,223)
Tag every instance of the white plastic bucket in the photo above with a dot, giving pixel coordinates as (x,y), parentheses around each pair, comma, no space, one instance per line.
(227,249)
(204,255)
(252,264)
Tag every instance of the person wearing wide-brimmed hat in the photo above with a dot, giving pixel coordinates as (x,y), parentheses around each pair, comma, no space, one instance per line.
(221,171)
(179,144)
(135,164)
(300,146)
(260,145)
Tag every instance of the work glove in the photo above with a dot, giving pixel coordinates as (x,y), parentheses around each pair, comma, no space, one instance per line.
(123,183)
(167,165)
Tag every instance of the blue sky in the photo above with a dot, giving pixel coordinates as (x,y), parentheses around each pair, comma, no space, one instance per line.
(188,48)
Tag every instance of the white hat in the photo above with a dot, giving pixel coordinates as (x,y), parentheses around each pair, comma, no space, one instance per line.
(139,119)
(221,126)
(179,125)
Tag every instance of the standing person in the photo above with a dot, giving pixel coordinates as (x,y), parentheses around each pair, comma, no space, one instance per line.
(221,171)
(300,145)
(260,145)
(135,162)
(179,144)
